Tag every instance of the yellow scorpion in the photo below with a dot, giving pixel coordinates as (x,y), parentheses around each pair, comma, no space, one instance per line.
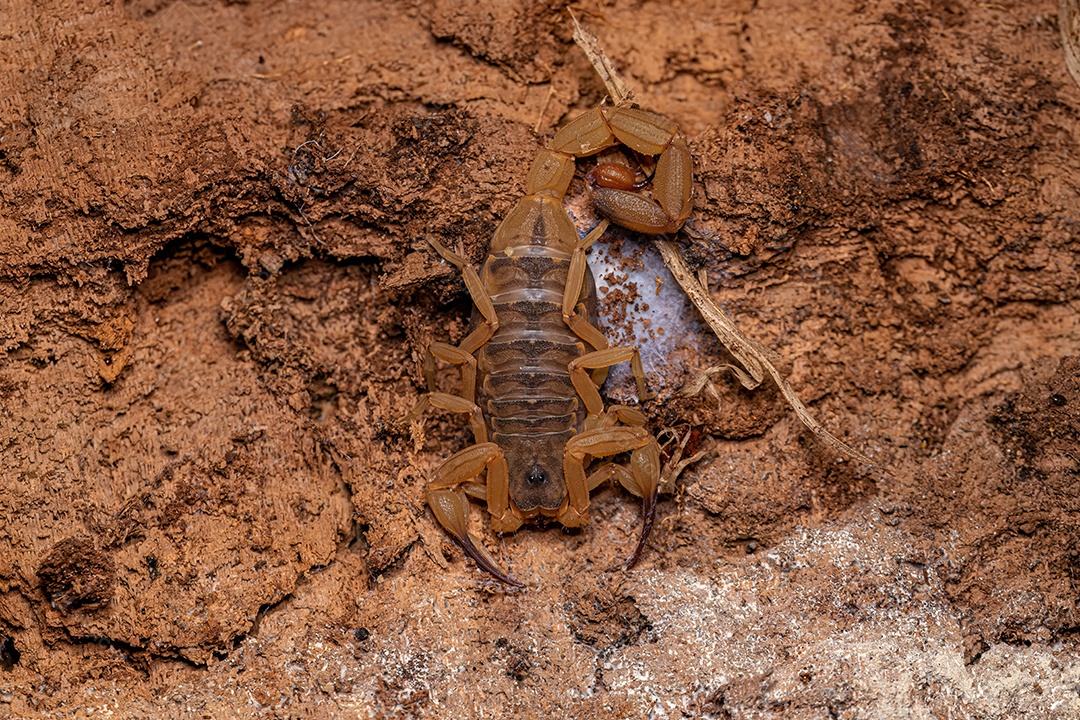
(533,361)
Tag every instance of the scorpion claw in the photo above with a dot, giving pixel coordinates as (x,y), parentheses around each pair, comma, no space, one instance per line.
(648,511)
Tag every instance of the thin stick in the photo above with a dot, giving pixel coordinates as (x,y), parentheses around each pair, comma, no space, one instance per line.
(616,88)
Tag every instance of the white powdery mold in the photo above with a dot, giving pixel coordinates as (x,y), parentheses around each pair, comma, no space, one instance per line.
(639,303)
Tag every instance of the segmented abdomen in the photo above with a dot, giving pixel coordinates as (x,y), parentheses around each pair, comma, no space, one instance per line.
(524,387)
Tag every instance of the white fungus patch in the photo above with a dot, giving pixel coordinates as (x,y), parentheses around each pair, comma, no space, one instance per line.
(640,302)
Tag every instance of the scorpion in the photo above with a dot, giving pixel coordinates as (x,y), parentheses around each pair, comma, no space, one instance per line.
(533,360)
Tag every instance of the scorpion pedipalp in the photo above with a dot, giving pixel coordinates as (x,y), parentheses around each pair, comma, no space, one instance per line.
(614,194)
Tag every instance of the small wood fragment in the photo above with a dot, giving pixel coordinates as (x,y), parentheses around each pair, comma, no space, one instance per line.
(1069,21)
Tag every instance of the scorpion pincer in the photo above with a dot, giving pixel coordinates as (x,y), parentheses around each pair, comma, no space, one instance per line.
(534,359)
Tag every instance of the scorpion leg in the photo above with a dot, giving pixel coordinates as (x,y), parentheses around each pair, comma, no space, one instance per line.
(622,414)
(603,357)
(575,282)
(489,322)
(574,312)
(616,414)
(607,357)
(454,356)
(643,478)
(453,403)
(446,495)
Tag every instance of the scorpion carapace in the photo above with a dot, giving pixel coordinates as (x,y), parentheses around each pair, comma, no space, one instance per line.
(533,362)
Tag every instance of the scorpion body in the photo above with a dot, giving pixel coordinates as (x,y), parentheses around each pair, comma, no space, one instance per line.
(532,364)
(524,387)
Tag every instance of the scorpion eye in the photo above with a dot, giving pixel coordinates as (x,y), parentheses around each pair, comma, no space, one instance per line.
(536,476)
